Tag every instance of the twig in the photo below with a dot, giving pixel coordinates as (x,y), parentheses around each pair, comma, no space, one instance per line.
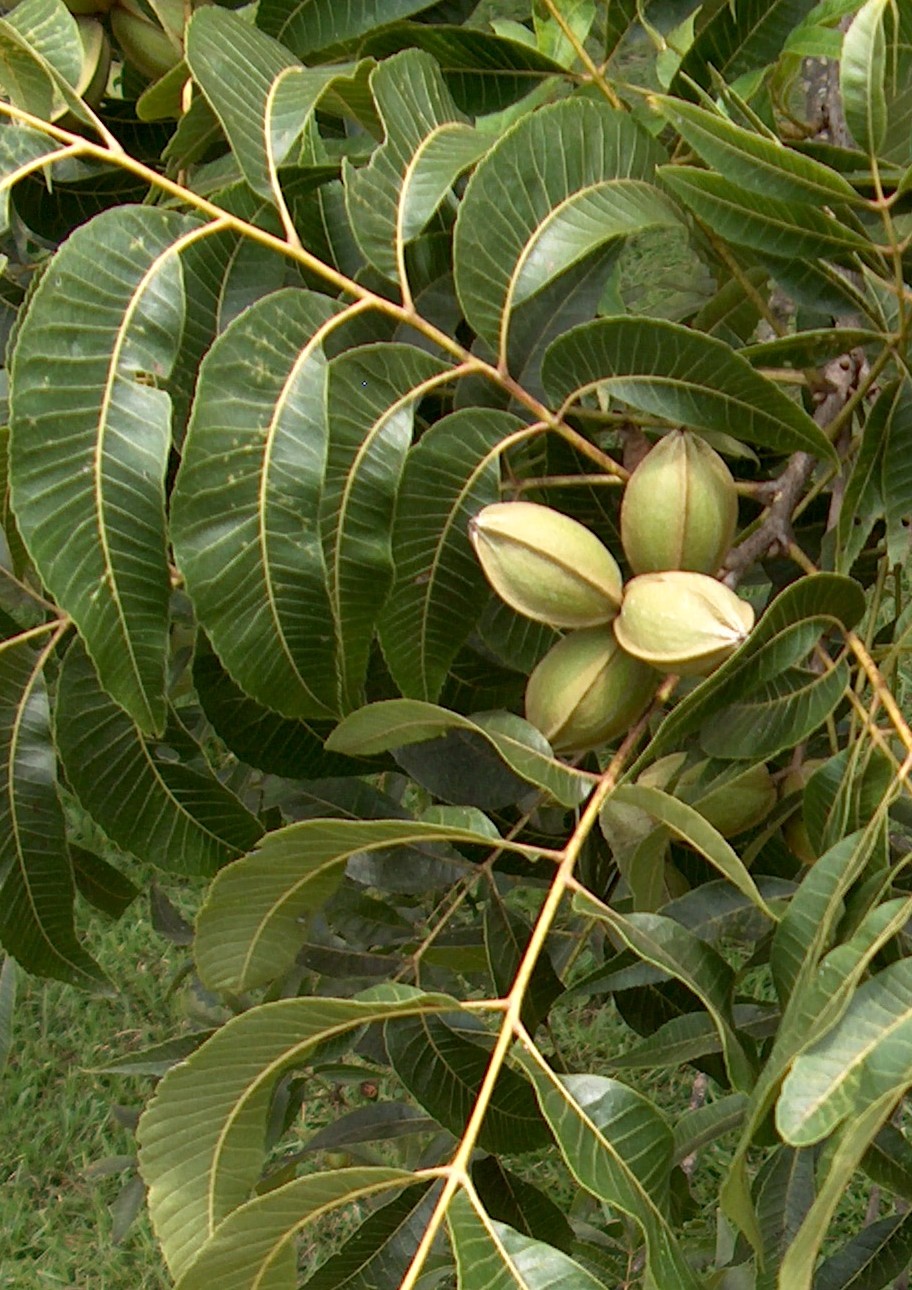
(775,530)
(697,1099)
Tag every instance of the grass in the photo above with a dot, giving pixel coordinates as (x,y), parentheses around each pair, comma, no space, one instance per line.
(57,1117)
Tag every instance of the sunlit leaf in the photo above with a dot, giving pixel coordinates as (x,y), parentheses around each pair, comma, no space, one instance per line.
(252,923)
(862,1059)
(253,1249)
(41,58)
(89,447)
(439,589)
(201,1139)
(310,27)
(862,69)
(244,508)
(492,1256)
(396,723)
(559,184)
(673,372)
(427,145)
(618,1146)
(371,397)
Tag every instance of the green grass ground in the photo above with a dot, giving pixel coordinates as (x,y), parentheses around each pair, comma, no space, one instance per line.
(57,1117)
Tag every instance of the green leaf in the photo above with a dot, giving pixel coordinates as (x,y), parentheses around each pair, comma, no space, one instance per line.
(736,38)
(682,1039)
(562,182)
(618,1146)
(483,72)
(22,152)
(784,1193)
(618,19)
(816,995)
(810,348)
(383,1246)
(690,826)
(782,637)
(371,397)
(862,504)
(705,1124)
(253,1249)
(8,982)
(257,736)
(88,411)
(52,31)
(862,1059)
(246,498)
(259,91)
(777,715)
(101,884)
(492,1256)
(753,161)
(162,810)
(872,1259)
(41,56)
(310,27)
(201,1138)
(788,229)
(673,949)
(396,723)
(844,1154)
(516,642)
(896,475)
(506,939)
(427,145)
(888,1162)
(443,1070)
(440,590)
(252,923)
(223,274)
(862,71)
(508,1198)
(36,876)
(808,922)
(689,378)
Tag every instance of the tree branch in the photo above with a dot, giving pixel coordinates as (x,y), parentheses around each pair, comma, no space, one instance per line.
(775,530)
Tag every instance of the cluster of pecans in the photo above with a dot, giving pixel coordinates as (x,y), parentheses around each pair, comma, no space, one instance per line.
(678,520)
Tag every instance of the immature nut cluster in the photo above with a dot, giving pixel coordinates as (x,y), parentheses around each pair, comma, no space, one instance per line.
(680,507)
(586,690)
(546,565)
(677,522)
(682,622)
